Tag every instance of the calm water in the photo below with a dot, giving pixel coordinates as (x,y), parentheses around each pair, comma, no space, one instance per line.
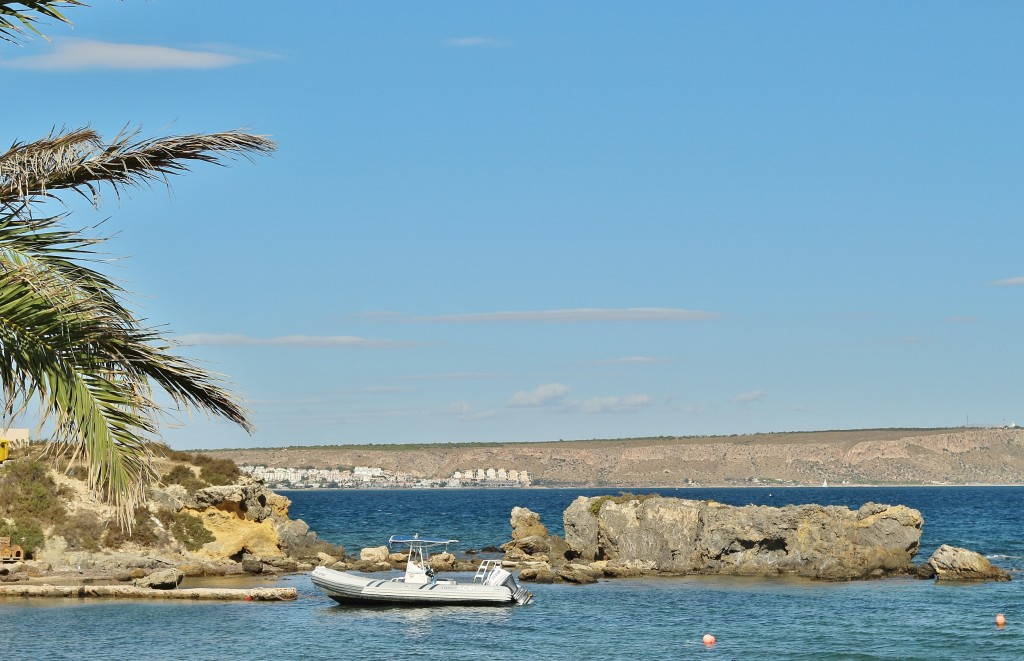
(623,619)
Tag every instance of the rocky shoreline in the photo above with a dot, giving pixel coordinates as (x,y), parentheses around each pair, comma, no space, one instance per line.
(252,535)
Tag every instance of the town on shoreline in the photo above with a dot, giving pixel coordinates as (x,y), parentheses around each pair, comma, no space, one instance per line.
(374,477)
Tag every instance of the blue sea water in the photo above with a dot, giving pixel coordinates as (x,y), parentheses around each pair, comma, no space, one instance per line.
(616,619)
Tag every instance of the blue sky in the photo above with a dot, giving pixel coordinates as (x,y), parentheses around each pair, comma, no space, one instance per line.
(532,221)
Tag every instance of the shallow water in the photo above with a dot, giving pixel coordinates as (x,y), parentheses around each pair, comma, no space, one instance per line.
(621,619)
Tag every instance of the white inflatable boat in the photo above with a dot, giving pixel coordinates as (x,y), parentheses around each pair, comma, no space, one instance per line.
(491,585)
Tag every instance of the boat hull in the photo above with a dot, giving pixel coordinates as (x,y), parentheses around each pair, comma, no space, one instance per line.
(345,588)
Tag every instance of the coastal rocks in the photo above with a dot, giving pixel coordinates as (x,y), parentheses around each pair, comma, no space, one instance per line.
(577,573)
(375,554)
(246,501)
(442,561)
(951,563)
(531,540)
(164,579)
(676,536)
(526,523)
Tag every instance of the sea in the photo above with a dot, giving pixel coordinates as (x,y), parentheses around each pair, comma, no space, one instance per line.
(649,618)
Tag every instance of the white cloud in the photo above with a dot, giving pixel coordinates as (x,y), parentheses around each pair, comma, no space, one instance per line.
(465,411)
(458,408)
(576,315)
(227,340)
(471,41)
(82,54)
(631,360)
(549,394)
(613,404)
(444,376)
(747,397)
(1009,282)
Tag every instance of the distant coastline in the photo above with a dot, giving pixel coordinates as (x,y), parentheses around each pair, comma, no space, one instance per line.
(881,457)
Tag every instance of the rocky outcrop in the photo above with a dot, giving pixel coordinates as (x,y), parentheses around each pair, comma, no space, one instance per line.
(531,540)
(676,536)
(240,528)
(951,563)
(164,579)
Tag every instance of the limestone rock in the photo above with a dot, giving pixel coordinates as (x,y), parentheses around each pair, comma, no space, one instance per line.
(246,501)
(677,536)
(252,566)
(952,563)
(442,561)
(538,573)
(530,545)
(575,573)
(236,536)
(163,579)
(170,496)
(531,540)
(526,523)
(375,554)
(581,529)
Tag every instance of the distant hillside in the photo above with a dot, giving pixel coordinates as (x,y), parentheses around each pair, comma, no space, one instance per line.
(872,456)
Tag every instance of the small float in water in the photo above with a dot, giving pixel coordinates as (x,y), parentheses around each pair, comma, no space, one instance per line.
(491,585)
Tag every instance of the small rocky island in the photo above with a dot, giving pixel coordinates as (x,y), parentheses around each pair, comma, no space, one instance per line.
(628,536)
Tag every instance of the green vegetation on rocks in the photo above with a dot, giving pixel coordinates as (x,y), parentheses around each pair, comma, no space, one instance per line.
(186,528)
(623,497)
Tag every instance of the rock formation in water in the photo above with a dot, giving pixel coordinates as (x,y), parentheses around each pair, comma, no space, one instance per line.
(676,536)
(951,563)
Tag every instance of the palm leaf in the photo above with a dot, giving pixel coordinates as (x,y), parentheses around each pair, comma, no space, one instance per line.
(67,339)
(19,18)
(78,160)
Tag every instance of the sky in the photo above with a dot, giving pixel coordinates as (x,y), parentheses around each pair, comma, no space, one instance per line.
(492,221)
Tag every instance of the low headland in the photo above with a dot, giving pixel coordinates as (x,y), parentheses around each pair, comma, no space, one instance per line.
(945,456)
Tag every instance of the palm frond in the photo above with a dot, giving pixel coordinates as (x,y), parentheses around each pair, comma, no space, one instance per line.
(78,160)
(54,347)
(17,19)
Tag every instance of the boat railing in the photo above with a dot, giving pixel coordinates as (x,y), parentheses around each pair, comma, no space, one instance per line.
(484,571)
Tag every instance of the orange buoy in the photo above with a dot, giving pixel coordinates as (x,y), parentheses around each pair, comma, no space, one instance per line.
(709,639)
(1000,620)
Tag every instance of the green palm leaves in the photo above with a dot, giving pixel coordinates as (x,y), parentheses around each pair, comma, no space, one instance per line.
(67,339)
(17,19)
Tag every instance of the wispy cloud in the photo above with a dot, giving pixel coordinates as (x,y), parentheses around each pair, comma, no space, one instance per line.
(549,394)
(469,42)
(465,411)
(612,404)
(82,54)
(1009,282)
(444,376)
(748,397)
(575,315)
(631,360)
(555,396)
(209,339)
